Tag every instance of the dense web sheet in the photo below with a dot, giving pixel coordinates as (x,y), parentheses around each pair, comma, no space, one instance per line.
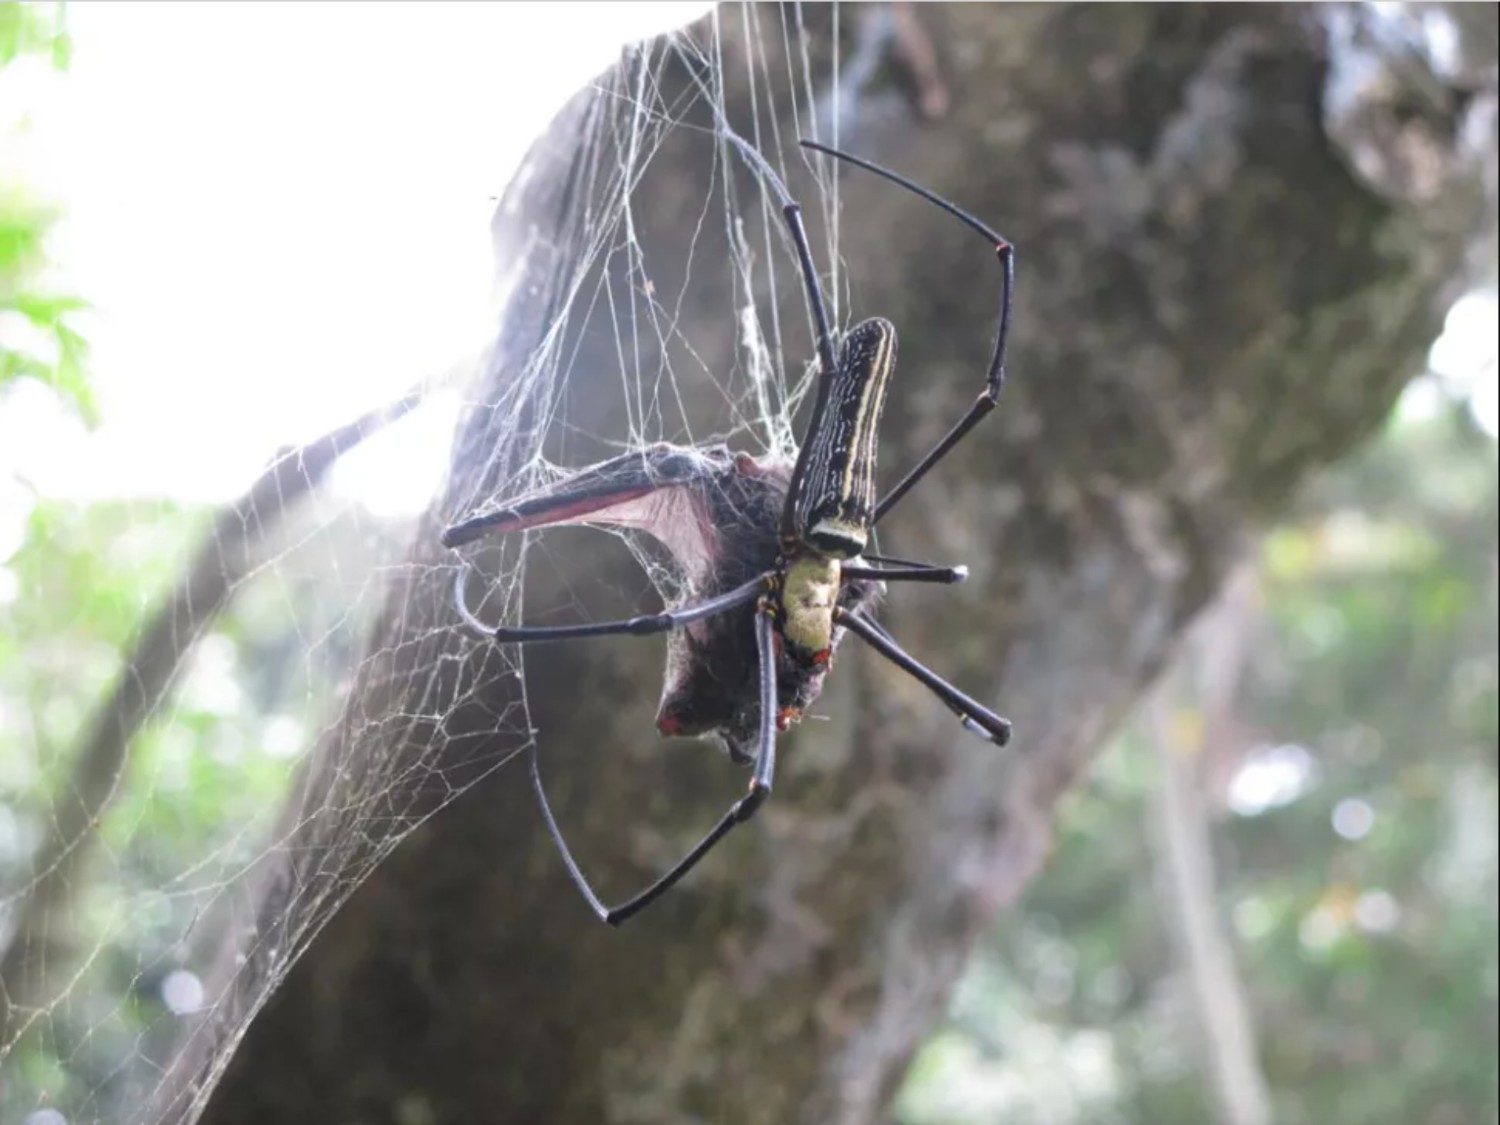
(254,794)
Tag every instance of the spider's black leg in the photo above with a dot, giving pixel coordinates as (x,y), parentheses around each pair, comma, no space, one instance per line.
(892,560)
(741,811)
(916,572)
(976,717)
(631,626)
(828,364)
(793,215)
(964,717)
(995,377)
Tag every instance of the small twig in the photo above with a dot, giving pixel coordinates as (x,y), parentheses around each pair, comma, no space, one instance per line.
(914,49)
(1210,677)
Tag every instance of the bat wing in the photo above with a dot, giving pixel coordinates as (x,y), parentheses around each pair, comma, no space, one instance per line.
(661,490)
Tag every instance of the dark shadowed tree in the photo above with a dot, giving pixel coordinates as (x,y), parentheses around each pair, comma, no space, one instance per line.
(1235,247)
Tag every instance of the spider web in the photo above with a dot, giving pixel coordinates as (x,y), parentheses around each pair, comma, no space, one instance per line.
(146,923)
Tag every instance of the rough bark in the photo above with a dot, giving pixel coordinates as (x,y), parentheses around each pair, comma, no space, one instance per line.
(1212,304)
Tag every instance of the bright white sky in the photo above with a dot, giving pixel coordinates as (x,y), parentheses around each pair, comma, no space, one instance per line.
(280,213)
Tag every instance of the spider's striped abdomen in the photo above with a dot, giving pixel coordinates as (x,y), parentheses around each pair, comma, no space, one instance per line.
(836,496)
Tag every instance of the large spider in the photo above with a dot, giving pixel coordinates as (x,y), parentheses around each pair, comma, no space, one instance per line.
(773,555)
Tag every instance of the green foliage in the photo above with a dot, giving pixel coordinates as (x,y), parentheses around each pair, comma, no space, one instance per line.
(204,779)
(39,334)
(34,29)
(1361,906)
(81,578)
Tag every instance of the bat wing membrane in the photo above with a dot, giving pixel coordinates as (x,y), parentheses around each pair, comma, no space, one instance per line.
(660,490)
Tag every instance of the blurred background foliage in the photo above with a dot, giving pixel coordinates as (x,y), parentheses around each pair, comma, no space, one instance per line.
(1347,775)
(1351,786)
(77,581)
(40,336)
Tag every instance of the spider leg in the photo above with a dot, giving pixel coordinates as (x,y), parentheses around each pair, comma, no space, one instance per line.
(741,811)
(793,215)
(976,717)
(828,364)
(916,572)
(641,626)
(892,560)
(995,377)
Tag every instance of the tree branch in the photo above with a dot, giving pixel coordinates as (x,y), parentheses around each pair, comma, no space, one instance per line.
(1216,655)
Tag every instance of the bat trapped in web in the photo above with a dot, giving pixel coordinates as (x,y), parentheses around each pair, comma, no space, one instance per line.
(774,555)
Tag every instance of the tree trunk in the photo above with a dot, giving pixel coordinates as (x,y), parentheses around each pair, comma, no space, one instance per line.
(1229,264)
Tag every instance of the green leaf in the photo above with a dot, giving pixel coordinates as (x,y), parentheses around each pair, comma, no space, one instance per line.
(35,29)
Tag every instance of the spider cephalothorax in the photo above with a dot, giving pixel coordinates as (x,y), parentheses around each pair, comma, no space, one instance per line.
(774,558)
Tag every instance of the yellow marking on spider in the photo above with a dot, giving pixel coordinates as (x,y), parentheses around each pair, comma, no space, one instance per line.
(867,417)
(808,596)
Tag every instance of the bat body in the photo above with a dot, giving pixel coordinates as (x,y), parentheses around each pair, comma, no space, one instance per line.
(717,513)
